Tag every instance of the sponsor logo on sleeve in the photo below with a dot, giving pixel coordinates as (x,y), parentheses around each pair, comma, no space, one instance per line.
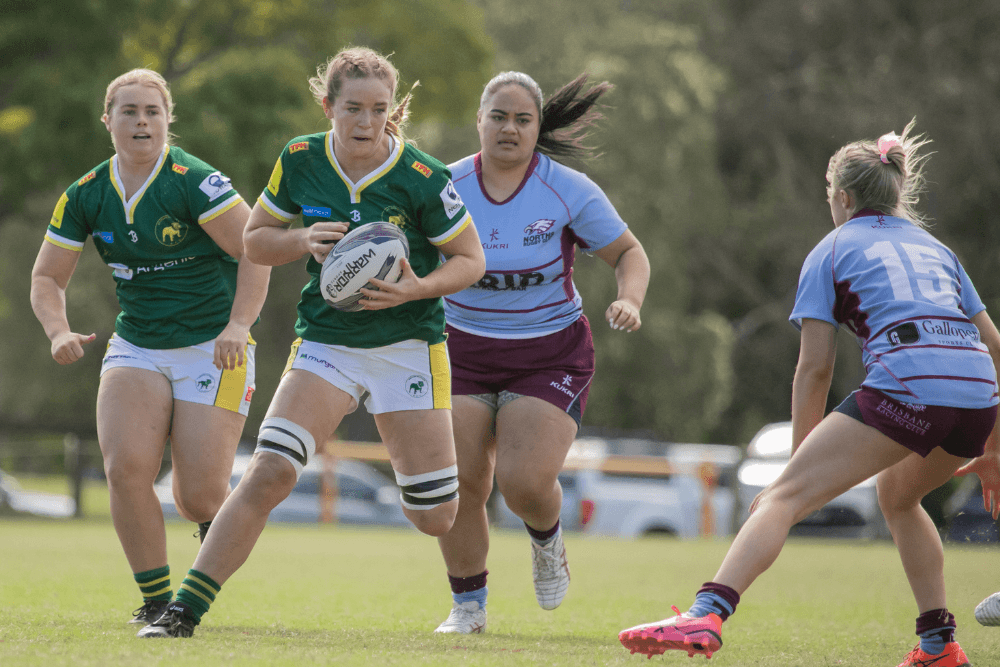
(179,169)
(317,211)
(57,215)
(215,185)
(107,237)
(89,177)
(299,146)
(452,202)
(423,169)
(275,181)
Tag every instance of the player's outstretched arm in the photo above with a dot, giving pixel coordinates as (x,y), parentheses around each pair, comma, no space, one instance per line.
(53,268)
(628,258)
(268,241)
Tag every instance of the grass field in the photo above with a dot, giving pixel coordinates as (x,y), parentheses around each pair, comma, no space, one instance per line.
(318,595)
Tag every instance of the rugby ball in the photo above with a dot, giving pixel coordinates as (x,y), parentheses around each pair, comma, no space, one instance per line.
(374,250)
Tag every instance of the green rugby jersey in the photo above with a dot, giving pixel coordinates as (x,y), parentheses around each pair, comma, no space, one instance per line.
(175,285)
(411,190)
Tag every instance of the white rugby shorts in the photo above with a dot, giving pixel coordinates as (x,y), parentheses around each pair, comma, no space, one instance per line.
(191,372)
(409,375)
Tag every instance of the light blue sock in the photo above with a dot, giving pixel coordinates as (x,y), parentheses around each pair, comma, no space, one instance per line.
(709,603)
(479,595)
(932,642)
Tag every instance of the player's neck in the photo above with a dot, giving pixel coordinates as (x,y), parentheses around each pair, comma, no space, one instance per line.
(500,179)
(134,171)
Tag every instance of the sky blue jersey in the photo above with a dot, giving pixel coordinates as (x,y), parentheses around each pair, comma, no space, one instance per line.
(529,241)
(908,300)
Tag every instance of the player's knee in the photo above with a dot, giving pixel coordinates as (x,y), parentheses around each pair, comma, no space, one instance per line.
(202,504)
(524,489)
(123,472)
(893,498)
(430,499)
(289,441)
(474,489)
(435,522)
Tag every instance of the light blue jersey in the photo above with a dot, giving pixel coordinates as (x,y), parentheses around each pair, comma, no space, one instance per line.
(909,302)
(529,241)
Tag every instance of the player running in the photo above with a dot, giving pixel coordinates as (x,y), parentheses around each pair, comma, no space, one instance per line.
(928,401)
(359,172)
(181,360)
(522,356)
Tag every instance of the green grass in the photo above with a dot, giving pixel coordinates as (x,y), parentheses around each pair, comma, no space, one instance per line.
(325,595)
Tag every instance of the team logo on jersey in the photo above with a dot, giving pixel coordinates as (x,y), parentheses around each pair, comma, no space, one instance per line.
(170,232)
(299,146)
(905,334)
(396,216)
(107,237)
(417,386)
(539,226)
(356,215)
(57,215)
(89,177)
(538,232)
(204,383)
(452,202)
(423,169)
(179,169)
(215,185)
(317,211)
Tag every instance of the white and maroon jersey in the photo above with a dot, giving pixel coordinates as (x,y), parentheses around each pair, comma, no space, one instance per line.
(529,241)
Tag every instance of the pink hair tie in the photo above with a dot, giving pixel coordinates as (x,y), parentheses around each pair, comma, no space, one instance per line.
(885,142)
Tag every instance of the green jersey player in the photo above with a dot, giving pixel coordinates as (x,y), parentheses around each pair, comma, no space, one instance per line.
(359,172)
(181,361)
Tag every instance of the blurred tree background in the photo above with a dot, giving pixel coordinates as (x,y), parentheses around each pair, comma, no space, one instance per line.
(715,145)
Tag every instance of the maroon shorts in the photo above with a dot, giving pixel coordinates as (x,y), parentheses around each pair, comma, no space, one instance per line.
(921,428)
(556,368)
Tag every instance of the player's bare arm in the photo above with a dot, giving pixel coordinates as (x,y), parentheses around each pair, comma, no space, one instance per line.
(628,258)
(251,286)
(50,276)
(268,240)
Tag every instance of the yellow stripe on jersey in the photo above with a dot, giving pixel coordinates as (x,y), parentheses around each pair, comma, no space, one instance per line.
(291,357)
(275,181)
(57,215)
(63,242)
(453,232)
(232,388)
(116,181)
(276,212)
(214,213)
(356,188)
(440,375)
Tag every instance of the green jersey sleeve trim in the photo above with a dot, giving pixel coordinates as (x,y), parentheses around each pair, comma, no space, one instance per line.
(63,242)
(214,213)
(273,209)
(449,235)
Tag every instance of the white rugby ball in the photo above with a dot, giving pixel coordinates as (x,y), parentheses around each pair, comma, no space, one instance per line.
(374,250)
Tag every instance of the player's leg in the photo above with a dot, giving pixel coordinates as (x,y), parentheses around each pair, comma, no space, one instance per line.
(838,454)
(533,438)
(466,545)
(305,410)
(900,490)
(422,451)
(133,420)
(210,408)
(203,442)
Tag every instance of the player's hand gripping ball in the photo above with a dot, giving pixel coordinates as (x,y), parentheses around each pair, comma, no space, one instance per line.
(375,250)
